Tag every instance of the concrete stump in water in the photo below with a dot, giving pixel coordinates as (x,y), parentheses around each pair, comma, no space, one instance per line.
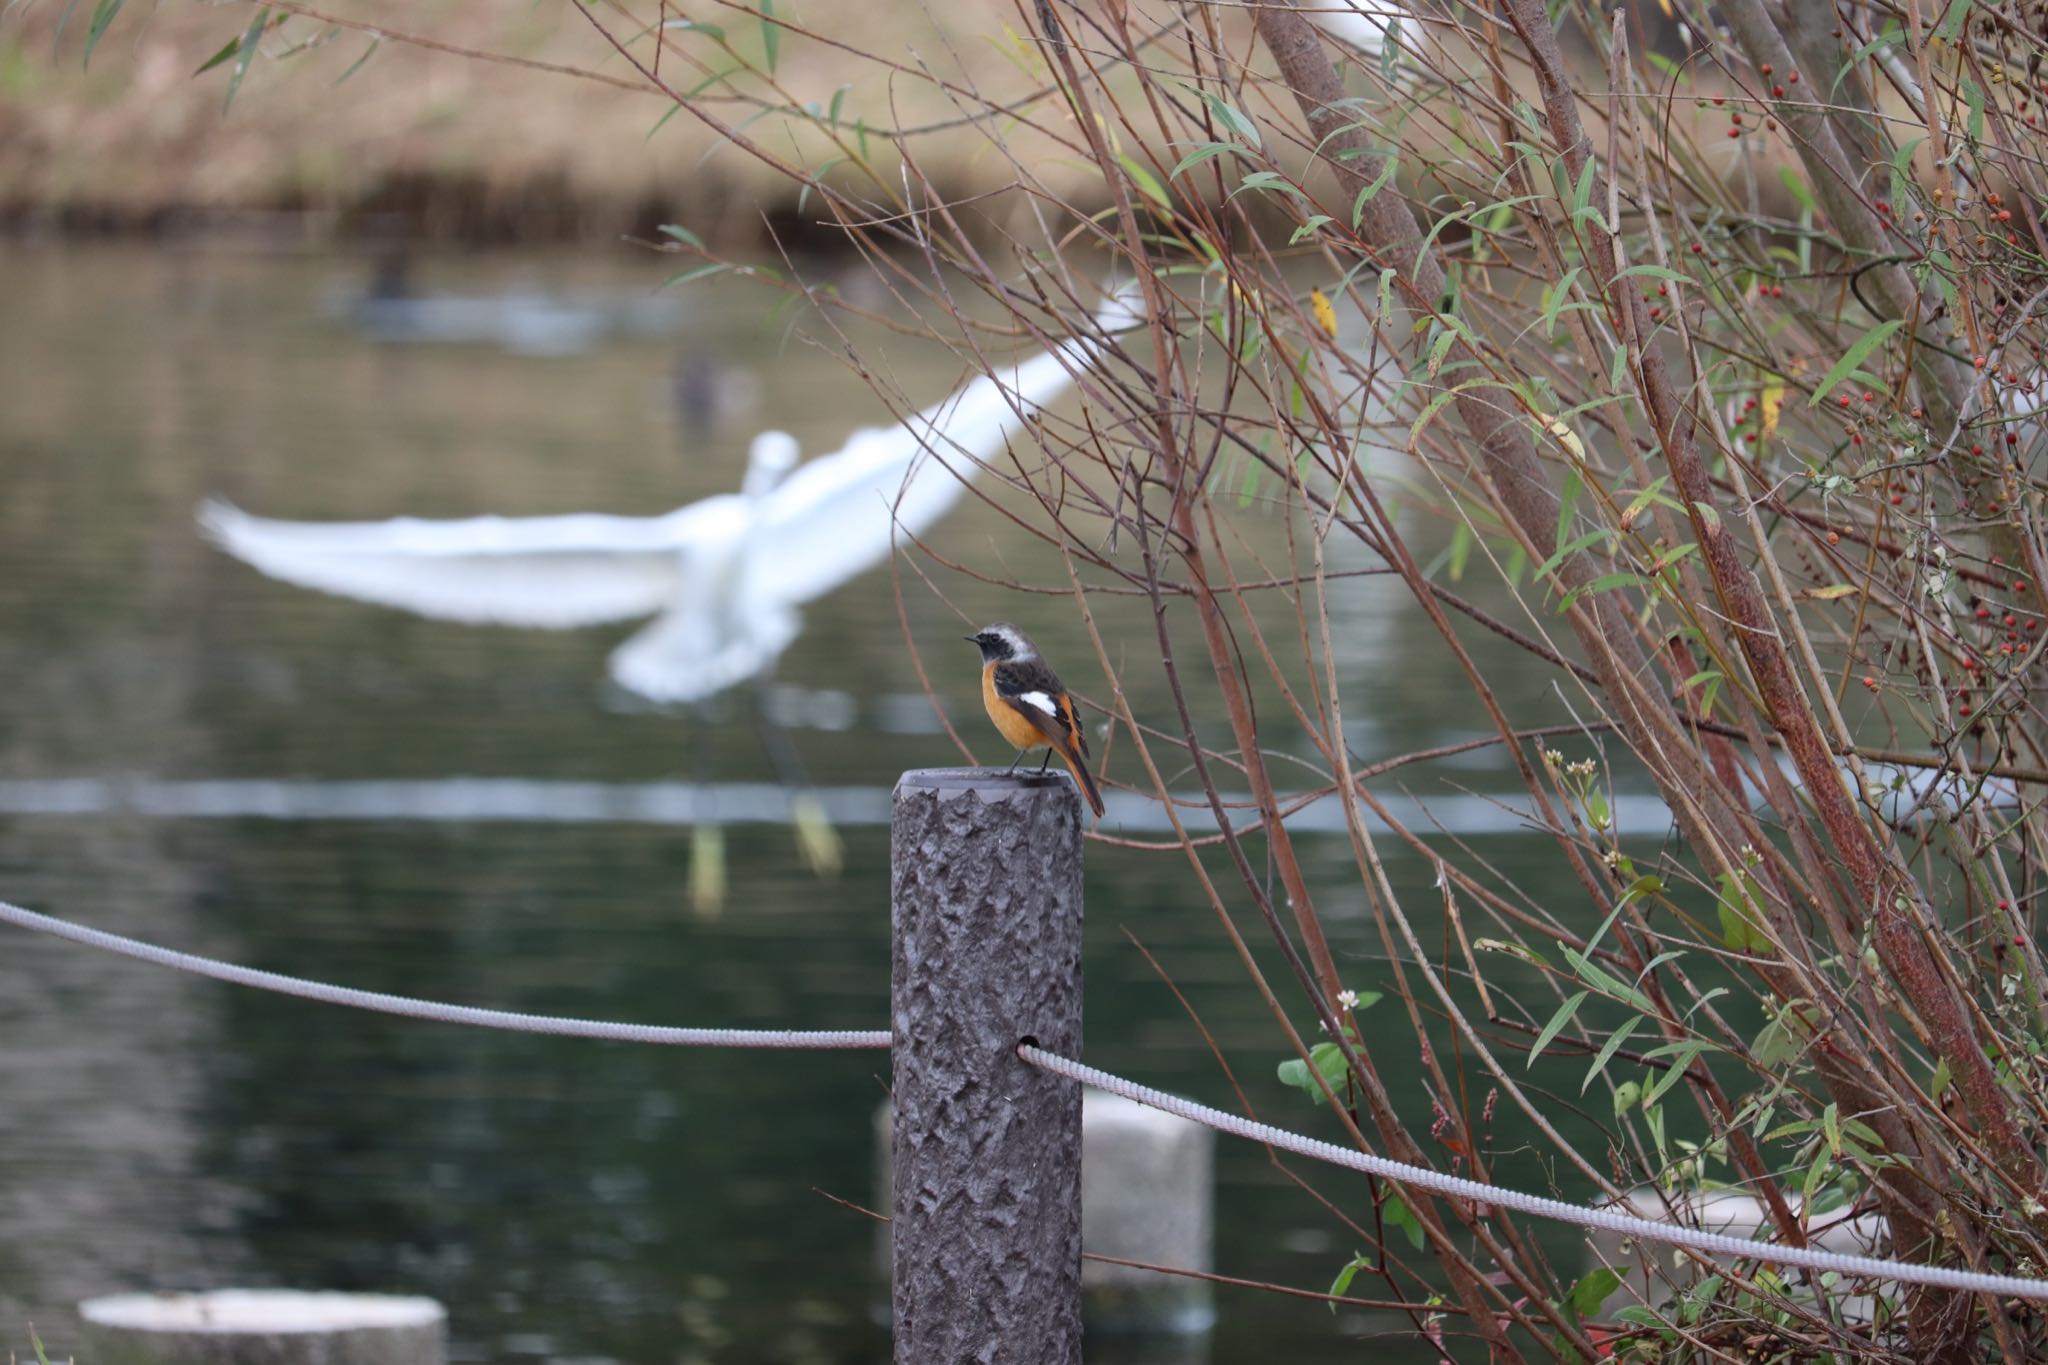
(1147,1186)
(262,1327)
(1648,1268)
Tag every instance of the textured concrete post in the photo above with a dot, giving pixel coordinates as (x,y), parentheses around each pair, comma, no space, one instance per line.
(985,889)
(262,1327)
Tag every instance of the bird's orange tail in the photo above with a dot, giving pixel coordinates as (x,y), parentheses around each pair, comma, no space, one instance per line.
(1078,766)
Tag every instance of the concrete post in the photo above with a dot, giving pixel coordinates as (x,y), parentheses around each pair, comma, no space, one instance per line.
(262,1327)
(985,890)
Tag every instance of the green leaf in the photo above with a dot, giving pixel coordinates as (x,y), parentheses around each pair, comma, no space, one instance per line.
(357,64)
(1460,550)
(1775,1047)
(1556,1025)
(1655,272)
(1853,357)
(1378,183)
(1891,36)
(1741,905)
(1445,340)
(1342,1284)
(695,272)
(228,49)
(1567,508)
(1951,26)
(1600,980)
(102,15)
(1974,97)
(1147,183)
(1681,1062)
(1607,582)
(247,53)
(1235,121)
(1553,300)
(1796,184)
(1203,152)
(1403,1217)
(771,35)
(1608,1049)
(696,26)
(1309,227)
(1328,1059)
(1267,180)
(1589,1293)
(681,234)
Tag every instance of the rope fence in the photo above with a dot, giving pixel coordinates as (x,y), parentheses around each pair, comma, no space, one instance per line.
(1418,1177)
(433,1010)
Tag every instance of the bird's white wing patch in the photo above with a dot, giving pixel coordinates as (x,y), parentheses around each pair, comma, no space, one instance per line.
(1039,700)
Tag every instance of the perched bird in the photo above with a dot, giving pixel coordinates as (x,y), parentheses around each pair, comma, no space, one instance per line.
(1029,704)
(723,577)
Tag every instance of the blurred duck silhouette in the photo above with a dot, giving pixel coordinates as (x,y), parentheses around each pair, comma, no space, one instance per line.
(723,577)
(524,320)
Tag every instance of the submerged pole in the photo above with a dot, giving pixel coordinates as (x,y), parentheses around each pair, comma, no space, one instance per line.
(985,896)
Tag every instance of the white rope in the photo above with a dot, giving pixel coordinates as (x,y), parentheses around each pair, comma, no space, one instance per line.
(1710,1243)
(435,1010)
(1422,1178)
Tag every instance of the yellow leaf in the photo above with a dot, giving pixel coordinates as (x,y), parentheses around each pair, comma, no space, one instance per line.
(1773,401)
(1568,438)
(1830,592)
(1326,316)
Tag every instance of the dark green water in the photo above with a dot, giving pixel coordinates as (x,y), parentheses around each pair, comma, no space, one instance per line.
(569,1201)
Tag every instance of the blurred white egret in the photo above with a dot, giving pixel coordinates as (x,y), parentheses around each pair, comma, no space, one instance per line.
(723,577)
(1371,27)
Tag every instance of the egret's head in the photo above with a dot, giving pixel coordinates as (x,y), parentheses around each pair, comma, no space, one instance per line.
(1002,643)
(769,459)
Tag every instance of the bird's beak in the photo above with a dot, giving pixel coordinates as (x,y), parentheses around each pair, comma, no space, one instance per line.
(971,639)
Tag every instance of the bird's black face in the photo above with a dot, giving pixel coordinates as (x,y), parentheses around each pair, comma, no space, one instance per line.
(998,643)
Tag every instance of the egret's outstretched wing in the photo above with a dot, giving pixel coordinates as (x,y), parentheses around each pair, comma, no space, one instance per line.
(699,649)
(1366,25)
(554,572)
(842,513)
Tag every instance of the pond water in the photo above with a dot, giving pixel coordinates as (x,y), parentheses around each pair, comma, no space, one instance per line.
(198,756)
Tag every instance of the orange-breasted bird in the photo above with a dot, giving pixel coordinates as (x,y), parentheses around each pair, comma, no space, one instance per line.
(1029,704)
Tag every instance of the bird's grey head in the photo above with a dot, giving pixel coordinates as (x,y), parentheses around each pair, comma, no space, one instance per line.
(1002,643)
(769,459)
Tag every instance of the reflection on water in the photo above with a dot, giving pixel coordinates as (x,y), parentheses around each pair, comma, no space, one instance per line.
(470,818)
